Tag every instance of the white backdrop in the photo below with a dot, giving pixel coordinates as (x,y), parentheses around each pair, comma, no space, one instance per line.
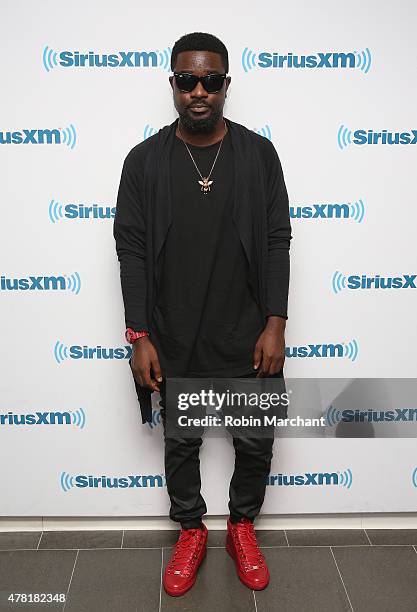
(314,116)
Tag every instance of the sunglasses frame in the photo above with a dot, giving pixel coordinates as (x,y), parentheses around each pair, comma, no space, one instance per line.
(200,80)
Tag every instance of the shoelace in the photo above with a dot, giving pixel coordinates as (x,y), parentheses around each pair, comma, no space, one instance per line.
(245,539)
(185,552)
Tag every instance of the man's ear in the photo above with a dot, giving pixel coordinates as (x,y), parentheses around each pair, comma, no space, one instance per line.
(170,80)
(228,79)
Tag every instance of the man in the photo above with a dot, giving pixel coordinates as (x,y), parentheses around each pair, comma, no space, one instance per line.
(202,234)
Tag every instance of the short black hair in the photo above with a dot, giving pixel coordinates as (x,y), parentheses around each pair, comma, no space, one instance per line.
(200,41)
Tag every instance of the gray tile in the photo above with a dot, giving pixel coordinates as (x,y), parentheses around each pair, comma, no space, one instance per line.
(137,538)
(271,537)
(217,537)
(34,571)
(115,580)
(326,537)
(217,587)
(19,539)
(392,536)
(379,578)
(81,539)
(302,579)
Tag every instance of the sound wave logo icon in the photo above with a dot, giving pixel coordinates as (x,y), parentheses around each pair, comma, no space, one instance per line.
(148,131)
(60,351)
(345,478)
(264,131)
(73,283)
(164,60)
(78,418)
(156,419)
(55,211)
(67,481)
(363,60)
(69,136)
(414,477)
(338,282)
(248,59)
(333,416)
(344,137)
(357,210)
(49,59)
(351,350)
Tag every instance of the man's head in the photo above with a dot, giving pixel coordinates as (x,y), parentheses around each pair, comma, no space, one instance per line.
(200,54)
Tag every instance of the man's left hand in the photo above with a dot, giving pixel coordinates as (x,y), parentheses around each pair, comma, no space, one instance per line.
(269,355)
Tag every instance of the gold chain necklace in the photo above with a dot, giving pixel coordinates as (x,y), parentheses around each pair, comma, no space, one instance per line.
(205,180)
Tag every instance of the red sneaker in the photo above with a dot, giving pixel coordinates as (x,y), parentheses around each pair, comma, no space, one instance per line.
(242,546)
(189,551)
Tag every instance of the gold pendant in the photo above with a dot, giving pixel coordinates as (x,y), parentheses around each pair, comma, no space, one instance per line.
(205,185)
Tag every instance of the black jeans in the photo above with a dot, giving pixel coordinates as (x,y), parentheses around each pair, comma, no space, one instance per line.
(182,471)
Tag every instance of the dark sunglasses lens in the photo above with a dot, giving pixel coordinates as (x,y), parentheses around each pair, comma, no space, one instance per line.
(186,82)
(213,82)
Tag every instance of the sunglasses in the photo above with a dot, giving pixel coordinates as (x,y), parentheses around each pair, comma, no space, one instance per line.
(211,82)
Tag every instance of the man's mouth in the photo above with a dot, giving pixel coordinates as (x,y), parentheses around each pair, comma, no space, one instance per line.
(199,109)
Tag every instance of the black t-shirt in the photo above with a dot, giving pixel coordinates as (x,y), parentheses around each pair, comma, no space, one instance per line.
(206,321)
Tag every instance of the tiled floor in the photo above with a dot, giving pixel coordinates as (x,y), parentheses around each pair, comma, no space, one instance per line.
(120,571)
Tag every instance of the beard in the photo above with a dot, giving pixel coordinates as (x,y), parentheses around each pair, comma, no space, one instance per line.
(196,125)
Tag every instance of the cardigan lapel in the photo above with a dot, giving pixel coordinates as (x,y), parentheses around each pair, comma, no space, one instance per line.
(242,214)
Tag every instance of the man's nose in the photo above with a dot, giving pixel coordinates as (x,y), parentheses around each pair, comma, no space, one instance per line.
(199,91)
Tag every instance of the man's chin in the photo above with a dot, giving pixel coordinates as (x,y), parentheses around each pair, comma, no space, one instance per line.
(196,125)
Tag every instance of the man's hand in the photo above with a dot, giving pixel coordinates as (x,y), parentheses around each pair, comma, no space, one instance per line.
(269,355)
(144,361)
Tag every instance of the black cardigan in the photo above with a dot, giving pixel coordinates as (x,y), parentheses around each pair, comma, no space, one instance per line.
(143,217)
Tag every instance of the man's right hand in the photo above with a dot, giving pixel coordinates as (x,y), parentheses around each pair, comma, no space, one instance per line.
(144,362)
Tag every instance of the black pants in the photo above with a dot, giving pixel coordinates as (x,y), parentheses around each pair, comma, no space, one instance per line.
(182,471)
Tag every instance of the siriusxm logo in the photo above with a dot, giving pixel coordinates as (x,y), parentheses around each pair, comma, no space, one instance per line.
(348,350)
(42,283)
(361,60)
(265,131)
(66,136)
(315,479)
(349,210)
(62,351)
(346,137)
(74,418)
(120,59)
(333,416)
(58,212)
(363,281)
(132,481)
